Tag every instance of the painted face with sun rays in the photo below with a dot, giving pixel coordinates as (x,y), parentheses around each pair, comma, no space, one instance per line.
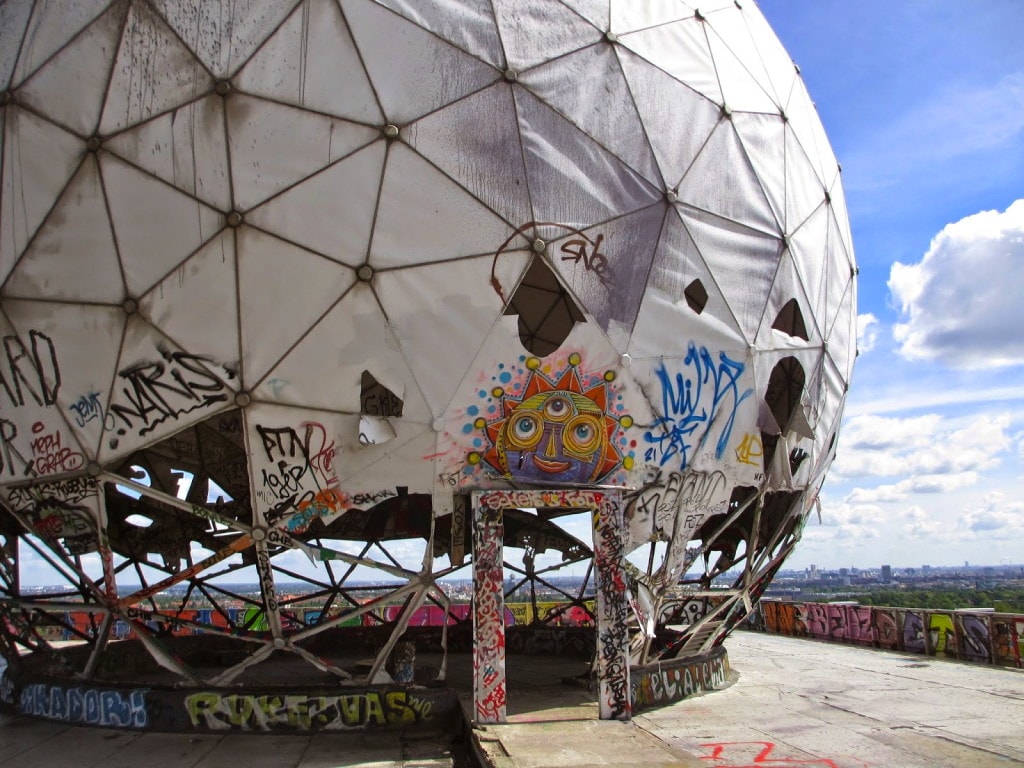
(556,433)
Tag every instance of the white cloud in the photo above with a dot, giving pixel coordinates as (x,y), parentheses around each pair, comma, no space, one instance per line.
(963,303)
(943,483)
(867,332)
(874,446)
(998,517)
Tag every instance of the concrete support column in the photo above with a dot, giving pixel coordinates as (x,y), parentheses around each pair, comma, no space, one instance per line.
(612,609)
(489,695)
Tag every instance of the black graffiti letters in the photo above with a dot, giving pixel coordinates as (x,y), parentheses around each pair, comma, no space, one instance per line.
(29,374)
(154,392)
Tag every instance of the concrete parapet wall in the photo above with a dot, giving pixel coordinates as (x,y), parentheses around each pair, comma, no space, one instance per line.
(982,637)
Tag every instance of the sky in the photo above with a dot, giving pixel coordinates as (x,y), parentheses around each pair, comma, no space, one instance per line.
(923,103)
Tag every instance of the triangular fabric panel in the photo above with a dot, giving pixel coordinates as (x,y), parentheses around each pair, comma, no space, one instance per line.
(809,248)
(681,50)
(741,91)
(787,286)
(160,389)
(575,181)
(205,283)
(186,148)
(74,349)
(741,259)
(14,18)
(51,27)
(763,138)
(577,83)
(39,158)
(561,31)
(607,266)
(273,320)
(336,85)
(70,88)
(324,370)
(805,192)
(685,119)
(781,71)
(729,29)
(468,25)
(274,146)
(331,212)
(595,11)
(204,26)
(369,468)
(153,73)
(439,354)
(629,17)
(666,324)
(73,257)
(810,133)
(744,200)
(418,205)
(421,85)
(156,226)
(476,142)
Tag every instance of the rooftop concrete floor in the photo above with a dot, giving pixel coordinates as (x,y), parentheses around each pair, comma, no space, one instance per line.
(794,704)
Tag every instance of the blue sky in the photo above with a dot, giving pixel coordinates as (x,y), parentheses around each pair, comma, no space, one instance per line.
(924,105)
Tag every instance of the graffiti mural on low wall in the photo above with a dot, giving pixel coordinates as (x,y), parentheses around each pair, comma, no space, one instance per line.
(86,705)
(224,711)
(979,636)
(664,684)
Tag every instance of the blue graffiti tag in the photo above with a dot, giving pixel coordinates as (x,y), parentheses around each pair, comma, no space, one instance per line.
(700,396)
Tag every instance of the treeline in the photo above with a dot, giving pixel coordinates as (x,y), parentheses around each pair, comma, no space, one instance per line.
(1002,599)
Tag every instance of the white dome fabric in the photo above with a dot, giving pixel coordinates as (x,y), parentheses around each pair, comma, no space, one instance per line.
(328,253)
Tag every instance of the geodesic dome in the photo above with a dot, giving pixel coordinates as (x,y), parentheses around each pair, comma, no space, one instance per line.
(283,283)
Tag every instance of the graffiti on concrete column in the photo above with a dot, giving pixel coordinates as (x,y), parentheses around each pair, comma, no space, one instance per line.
(612,612)
(488,617)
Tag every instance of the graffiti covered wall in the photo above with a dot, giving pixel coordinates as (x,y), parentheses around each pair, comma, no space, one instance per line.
(982,637)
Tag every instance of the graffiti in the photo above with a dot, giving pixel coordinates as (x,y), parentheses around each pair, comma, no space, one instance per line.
(488,619)
(527,499)
(687,497)
(941,636)
(748,754)
(248,712)
(6,688)
(750,450)
(583,249)
(50,455)
(702,399)
(110,708)
(913,632)
(31,372)
(666,685)
(321,458)
(977,639)
(886,634)
(87,408)
(53,519)
(612,612)
(157,391)
(556,431)
(686,612)
(69,491)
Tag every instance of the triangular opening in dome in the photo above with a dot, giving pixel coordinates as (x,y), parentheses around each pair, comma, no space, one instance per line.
(791,321)
(547,313)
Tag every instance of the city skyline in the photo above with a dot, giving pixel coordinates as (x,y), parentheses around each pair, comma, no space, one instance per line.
(926,116)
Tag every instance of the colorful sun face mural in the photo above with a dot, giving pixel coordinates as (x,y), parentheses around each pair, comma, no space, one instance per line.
(562,430)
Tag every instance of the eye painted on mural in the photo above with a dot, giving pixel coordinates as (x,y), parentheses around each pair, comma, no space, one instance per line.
(556,432)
